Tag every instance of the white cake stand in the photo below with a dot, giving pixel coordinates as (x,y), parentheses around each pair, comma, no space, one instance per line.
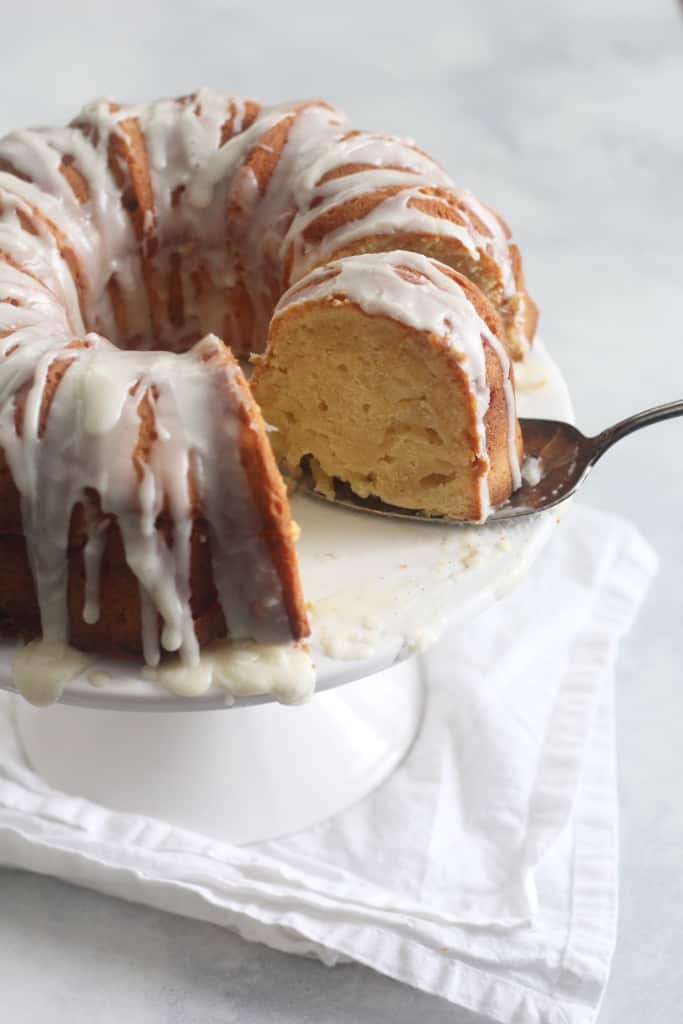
(380,592)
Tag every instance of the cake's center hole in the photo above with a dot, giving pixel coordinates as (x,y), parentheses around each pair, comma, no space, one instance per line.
(172,299)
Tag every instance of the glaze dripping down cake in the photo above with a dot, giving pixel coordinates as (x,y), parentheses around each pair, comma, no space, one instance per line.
(143,251)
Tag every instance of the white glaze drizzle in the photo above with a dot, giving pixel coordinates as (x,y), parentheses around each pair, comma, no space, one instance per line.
(432,301)
(392,162)
(192,177)
(87,446)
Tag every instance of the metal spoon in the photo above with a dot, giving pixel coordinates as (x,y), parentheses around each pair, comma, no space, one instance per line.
(566,458)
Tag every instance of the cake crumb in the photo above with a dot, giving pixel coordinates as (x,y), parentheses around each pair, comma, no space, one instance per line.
(470,556)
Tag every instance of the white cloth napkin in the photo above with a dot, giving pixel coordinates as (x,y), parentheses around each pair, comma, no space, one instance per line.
(484,870)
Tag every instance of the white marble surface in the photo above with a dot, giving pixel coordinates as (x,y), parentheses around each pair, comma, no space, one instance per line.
(567,118)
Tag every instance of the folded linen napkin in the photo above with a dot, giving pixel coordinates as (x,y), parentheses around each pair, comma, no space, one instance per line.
(484,870)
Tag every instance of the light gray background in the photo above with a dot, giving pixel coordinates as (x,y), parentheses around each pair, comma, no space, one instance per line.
(568,118)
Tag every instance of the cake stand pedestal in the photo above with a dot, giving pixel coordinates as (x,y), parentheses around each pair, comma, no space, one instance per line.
(380,591)
(240,775)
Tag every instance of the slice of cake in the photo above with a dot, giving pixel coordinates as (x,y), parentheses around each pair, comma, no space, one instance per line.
(390,372)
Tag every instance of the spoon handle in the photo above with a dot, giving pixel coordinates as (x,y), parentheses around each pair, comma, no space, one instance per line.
(611,435)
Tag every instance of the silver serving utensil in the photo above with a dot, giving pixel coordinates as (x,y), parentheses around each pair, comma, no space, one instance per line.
(566,458)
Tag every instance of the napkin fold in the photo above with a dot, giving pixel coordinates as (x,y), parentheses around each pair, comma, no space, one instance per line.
(483,871)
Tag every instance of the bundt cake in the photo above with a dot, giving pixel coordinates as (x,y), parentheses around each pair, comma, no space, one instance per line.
(141,509)
(390,372)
